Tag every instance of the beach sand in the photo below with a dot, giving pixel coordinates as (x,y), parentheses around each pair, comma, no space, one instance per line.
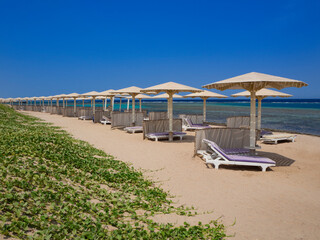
(283,203)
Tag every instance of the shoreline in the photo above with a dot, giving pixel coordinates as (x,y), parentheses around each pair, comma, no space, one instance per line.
(269,129)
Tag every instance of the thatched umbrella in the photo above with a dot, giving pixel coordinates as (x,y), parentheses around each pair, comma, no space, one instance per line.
(261,94)
(108,93)
(92,94)
(205,95)
(170,88)
(133,92)
(57,97)
(73,96)
(253,82)
(41,99)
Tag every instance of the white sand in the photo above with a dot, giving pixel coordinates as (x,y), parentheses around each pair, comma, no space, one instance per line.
(280,204)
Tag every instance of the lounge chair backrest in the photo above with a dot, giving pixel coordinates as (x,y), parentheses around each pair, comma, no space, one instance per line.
(215,147)
(124,119)
(188,122)
(239,121)
(84,111)
(158,115)
(195,118)
(68,112)
(160,126)
(226,138)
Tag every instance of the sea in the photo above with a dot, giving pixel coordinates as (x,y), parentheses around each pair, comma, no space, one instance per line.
(294,115)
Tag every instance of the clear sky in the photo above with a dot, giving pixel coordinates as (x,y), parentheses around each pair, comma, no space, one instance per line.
(54,47)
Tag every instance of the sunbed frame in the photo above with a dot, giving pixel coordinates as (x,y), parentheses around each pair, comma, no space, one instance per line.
(219,157)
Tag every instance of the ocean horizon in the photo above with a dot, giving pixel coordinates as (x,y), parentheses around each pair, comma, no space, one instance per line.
(294,115)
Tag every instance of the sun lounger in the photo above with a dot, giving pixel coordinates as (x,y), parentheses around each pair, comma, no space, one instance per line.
(189,125)
(220,157)
(85,118)
(274,138)
(164,135)
(105,120)
(134,129)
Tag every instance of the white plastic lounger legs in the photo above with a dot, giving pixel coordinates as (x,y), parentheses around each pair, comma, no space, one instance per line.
(165,135)
(274,138)
(134,129)
(219,157)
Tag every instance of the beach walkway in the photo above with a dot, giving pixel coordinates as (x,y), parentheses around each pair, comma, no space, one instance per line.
(278,204)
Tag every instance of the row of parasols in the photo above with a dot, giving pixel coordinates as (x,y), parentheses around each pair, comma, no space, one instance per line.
(254,83)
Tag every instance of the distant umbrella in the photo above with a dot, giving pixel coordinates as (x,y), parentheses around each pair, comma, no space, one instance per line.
(205,95)
(261,94)
(133,91)
(170,88)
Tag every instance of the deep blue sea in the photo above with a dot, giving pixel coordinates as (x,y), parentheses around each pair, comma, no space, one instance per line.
(298,115)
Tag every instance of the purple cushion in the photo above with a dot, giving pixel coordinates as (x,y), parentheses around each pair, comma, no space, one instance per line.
(238,158)
(136,127)
(236,150)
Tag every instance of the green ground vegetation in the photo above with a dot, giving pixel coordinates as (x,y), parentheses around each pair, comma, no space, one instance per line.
(53,186)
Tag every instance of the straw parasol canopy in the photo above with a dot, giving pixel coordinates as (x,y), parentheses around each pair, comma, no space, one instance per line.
(133,92)
(261,94)
(57,97)
(92,94)
(166,95)
(42,98)
(73,96)
(205,95)
(170,88)
(108,93)
(253,82)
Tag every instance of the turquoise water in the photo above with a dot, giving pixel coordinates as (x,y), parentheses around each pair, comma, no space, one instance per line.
(301,116)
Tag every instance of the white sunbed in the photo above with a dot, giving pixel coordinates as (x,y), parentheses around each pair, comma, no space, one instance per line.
(105,120)
(274,138)
(134,129)
(189,125)
(219,157)
(85,118)
(164,135)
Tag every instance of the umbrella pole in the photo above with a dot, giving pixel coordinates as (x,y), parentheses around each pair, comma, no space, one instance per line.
(128,102)
(204,109)
(252,121)
(112,103)
(74,106)
(94,105)
(140,105)
(82,102)
(105,104)
(259,113)
(120,104)
(170,114)
(133,103)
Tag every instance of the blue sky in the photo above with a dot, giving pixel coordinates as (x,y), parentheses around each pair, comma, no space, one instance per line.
(53,47)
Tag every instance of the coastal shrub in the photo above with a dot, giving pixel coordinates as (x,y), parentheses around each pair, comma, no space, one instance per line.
(53,186)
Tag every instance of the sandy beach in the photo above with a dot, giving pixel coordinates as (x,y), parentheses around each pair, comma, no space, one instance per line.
(282,203)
